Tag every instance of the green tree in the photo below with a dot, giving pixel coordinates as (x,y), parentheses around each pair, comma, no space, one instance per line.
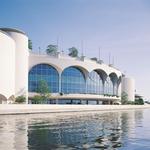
(73,52)
(124,98)
(37,99)
(30,44)
(20,99)
(51,49)
(43,90)
(139,101)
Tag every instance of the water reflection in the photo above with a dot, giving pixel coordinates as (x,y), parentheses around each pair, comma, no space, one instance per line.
(99,130)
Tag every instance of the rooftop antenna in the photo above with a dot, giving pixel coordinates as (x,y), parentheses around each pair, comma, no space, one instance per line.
(113,61)
(82,48)
(39,50)
(109,57)
(61,47)
(99,53)
(57,42)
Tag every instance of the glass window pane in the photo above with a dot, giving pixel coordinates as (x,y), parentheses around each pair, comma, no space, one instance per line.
(73,81)
(44,72)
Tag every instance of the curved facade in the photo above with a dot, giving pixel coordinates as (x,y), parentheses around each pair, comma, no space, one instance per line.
(77,80)
(80,80)
(128,86)
(21,61)
(7,66)
(19,52)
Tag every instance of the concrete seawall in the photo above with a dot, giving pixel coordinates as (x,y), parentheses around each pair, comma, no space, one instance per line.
(29,109)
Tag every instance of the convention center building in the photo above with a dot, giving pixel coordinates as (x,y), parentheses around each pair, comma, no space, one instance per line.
(70,80)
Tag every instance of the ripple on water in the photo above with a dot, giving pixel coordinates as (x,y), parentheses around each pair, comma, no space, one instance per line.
(73,131)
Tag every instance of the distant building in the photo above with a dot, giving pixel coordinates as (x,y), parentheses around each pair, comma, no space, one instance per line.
(70,80)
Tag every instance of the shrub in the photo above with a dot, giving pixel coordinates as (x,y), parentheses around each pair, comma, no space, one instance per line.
(38,99)
(124,98)
(20,99)
(73,52)
(51,49)
(139,101)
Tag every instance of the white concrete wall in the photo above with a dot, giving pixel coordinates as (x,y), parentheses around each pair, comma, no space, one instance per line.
(62,63)
(128,86)
(21,63)
(7,65)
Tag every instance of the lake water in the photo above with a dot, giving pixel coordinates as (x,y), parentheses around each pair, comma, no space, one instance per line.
(74,131)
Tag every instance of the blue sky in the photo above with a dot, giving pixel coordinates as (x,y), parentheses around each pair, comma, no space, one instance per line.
(119,27)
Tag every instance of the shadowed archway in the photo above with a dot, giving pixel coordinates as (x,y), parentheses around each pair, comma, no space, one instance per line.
(3,99)
(11,98)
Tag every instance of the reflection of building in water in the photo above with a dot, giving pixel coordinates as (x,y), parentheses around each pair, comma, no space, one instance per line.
(129,120)
(98,130)
(71,130)
(13,133)
(111,132)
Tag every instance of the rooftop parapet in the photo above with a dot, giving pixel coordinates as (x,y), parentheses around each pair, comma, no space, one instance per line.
(63,55)
(12,30)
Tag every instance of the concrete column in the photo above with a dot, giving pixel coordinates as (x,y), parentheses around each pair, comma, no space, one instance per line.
(59,82)
(86,78)
(117,93)
(113,88)
(104,88)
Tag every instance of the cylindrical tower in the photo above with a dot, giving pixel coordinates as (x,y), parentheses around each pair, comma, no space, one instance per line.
(21,60)
(7,66)
(128,86)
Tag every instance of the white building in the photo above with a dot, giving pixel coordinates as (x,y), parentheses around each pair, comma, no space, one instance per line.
(70,80)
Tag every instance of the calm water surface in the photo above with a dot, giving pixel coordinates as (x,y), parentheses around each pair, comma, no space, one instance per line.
(74,131)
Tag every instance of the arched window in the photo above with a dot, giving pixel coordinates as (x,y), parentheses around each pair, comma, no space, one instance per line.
(73,81)
(94,83)
(108,89)
(44,72)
